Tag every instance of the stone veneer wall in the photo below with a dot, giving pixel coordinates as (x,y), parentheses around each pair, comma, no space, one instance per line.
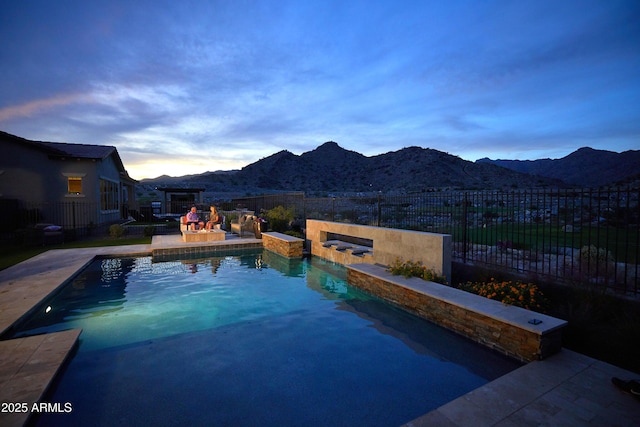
(193,252)
(491,323)
(432,249)
(283,244)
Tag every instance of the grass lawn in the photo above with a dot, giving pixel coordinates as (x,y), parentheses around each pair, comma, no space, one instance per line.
(11,255)
(621,243)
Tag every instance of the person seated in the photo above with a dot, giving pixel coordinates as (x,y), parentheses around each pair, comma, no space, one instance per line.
(193,221)
(214,219)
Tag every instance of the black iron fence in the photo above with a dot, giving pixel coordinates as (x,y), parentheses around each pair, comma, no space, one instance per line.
(77,218)
(575,236)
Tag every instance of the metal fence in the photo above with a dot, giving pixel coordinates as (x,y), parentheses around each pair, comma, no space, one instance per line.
(563,235)
(77,218)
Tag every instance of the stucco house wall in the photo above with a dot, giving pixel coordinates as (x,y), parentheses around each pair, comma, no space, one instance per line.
(35,176)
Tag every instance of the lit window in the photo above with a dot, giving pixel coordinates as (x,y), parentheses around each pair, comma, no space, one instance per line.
(74,184)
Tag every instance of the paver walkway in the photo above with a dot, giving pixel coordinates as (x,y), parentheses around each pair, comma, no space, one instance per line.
(567,389)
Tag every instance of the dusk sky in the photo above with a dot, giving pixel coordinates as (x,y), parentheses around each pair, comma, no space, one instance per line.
(183,87)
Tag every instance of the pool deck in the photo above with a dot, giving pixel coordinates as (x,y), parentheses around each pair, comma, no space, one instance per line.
(567,389)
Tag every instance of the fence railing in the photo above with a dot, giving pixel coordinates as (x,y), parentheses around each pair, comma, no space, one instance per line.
(576,236)
(77,218)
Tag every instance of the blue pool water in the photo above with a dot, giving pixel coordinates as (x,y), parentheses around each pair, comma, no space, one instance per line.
(249,339)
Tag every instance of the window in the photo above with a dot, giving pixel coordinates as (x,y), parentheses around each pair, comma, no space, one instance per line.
(109,199)
(74,184)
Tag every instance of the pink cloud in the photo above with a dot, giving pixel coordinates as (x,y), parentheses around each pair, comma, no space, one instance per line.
(31,108)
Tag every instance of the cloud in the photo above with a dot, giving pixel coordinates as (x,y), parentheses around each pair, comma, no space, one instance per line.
(167,80)
(41,106)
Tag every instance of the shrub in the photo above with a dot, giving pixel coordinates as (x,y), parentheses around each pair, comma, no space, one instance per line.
(415,269)
(279,218)
(116,231)
(595,260)
(525,295)
(149,230)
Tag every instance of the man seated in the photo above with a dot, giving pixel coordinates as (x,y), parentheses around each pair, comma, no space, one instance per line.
(193,221)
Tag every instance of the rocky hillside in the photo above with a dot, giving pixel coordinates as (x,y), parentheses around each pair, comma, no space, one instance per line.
(332,169)
(585,167)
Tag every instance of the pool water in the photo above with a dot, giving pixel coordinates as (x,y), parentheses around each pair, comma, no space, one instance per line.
(249,339)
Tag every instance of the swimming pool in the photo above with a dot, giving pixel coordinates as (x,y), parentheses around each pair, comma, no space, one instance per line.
(249,339)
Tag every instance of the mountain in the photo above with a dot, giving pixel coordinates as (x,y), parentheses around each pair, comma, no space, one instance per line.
(585,167)
(331,168)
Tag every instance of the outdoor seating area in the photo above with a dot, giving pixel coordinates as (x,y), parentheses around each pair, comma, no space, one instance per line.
(42,234)
(244,224)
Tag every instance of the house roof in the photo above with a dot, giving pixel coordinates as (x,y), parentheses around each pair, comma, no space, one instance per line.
(181,190)
(80,151)
(76,151)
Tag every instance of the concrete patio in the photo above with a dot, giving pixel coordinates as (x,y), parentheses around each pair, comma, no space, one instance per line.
(566,389)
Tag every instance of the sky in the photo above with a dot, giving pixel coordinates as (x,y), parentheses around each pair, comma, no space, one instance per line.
(185,87)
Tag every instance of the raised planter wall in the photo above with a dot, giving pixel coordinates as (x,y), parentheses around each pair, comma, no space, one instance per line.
(283,244)
(491,323)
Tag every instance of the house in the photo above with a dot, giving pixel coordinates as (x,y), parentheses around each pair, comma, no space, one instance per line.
(76,186)
(179,200)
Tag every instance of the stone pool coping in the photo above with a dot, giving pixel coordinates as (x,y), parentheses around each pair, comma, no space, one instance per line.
(567,388)
(29,365)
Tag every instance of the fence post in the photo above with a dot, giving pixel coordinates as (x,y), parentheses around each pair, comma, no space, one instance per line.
(464,228)
(333,209)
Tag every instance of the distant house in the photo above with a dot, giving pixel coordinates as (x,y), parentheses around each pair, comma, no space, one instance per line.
(72,185)
(178,200)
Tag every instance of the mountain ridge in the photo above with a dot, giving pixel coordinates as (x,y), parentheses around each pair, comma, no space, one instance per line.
(585,167)
(331,168)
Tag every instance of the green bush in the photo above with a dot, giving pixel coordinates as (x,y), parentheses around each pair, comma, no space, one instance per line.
(116,231)
(149,230)
(171,225)
(279,218)
(415,269)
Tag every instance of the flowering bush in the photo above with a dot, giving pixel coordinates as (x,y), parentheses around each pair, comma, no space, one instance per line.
(415,269)
(525,295)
